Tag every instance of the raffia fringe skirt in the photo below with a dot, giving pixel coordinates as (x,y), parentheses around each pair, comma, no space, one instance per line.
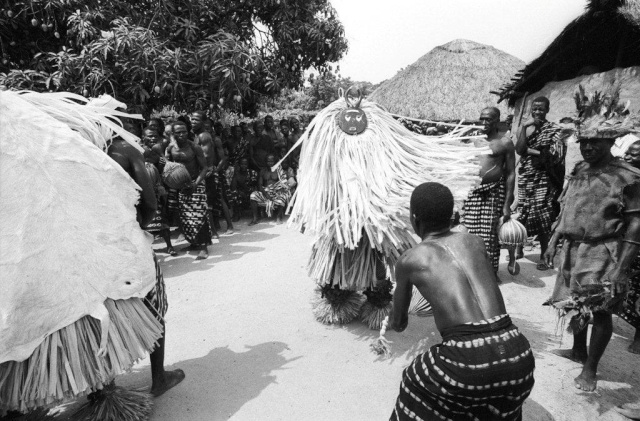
(65,365)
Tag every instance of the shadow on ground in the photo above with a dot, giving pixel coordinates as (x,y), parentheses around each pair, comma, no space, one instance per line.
(226,248)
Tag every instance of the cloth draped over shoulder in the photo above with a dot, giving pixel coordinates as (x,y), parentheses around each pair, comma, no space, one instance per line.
(56,187)
(481,371)
(538,183)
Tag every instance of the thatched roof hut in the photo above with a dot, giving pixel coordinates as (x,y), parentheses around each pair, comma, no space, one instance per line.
(450,82)
(605,37)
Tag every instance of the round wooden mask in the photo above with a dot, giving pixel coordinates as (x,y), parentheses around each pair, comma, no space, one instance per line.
(352,121)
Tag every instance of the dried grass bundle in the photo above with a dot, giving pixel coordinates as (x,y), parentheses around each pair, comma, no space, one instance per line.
(65,365)
(340,309)
(419,306)
(96,119)
(115,403)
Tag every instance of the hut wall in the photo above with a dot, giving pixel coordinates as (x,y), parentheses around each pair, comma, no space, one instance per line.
(560,94)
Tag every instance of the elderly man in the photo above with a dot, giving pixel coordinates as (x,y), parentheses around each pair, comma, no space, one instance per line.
(541,173)
(492,200)
(192,200)
(600,225)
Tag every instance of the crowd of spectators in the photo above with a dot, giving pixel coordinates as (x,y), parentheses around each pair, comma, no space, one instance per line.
(231,173)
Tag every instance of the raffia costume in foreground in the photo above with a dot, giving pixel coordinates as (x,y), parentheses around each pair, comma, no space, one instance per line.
(480,371)
(67,214)
(353,194)
(537,193)
(592,225)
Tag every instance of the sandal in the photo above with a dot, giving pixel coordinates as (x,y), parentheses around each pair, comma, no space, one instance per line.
(542,266)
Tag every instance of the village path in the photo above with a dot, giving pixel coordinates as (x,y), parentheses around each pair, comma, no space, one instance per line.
(240,325)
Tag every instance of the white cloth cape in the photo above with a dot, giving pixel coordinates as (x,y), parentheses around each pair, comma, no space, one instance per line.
(67,215)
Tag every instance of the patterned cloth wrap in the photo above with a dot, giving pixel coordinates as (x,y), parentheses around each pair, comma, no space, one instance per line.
(217,189)
(482,212)
(628,311)
(537,195)
(277,194)
(156,299)
(194,222)
(481,371)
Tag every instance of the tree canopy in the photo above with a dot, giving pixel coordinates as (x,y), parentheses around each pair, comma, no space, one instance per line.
(151,53)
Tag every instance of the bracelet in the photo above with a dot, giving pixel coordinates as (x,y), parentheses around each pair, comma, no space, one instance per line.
(637,243)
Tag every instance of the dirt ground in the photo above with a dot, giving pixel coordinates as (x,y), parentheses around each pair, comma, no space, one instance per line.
(240,325)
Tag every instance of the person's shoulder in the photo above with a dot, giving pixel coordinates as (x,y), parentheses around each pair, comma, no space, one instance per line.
(624,166)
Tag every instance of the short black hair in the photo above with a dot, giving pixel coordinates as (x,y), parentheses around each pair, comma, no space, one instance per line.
(185,120)
(542,99)
(159,122)
(178,123)
(432,205)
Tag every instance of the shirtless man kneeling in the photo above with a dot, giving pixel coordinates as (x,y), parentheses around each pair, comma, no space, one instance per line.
(483,369)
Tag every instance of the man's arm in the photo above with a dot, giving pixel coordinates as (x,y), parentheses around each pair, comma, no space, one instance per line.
(202,162)
(521,143)
(510,176)
(148,205)
(217,144)
(167,152)
(401,296)
(619,276)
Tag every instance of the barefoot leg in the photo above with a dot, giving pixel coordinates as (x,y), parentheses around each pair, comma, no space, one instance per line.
(600,336)
(578,352)
(635,345)
(162,380)
(254,211)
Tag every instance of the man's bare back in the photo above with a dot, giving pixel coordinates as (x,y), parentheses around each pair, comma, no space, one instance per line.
(132,161)
(452,272)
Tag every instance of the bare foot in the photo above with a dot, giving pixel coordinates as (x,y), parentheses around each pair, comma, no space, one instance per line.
(570,354)
(279,221)
(171,378)
(586,381)
(253,222)
(629,411)
(634,348)
(202,255)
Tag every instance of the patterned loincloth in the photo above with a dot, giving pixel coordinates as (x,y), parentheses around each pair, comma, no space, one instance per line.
(481,371)
(156,299)
(482,211)
(194,221)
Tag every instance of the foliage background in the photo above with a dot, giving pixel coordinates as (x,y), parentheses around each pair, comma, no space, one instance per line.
(187,54)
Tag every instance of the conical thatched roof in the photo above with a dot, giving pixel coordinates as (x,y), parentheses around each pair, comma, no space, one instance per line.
(452,81)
